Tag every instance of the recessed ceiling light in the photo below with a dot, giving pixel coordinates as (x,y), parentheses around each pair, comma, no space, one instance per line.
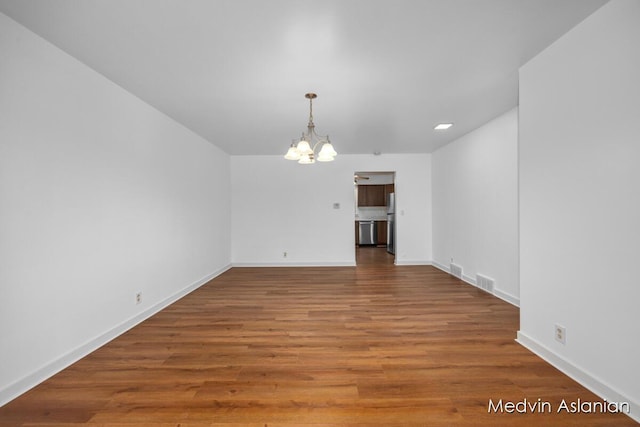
(443,126)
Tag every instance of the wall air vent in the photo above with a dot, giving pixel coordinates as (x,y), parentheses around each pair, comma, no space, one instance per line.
(456,270)
(485,283)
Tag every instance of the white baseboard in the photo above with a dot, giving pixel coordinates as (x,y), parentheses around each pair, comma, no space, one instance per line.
(439,266)
(320,264)
(295,264)
(23,385)
(412,262)
(507,297)
(580,375)
(471,281)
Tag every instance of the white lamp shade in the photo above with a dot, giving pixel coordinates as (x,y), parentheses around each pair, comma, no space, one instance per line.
(327,150)
(327,153)
(304,148)
(325,158)
(292,154)
(306,159)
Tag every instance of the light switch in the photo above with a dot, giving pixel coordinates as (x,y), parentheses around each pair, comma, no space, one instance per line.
(336,206)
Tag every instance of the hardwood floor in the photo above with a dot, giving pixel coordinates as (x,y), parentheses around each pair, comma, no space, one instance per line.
(371,255)
(374,345)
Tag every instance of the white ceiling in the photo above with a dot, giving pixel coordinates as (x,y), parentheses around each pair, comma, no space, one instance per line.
(385,71)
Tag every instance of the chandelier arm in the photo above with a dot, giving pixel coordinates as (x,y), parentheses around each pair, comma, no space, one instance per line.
(313,132)
(320,141)
(315,145)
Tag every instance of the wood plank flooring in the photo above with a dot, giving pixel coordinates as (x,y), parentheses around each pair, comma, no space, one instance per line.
(367,255)
(373,345)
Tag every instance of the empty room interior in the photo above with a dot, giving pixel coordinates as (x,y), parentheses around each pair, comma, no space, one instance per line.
(341,213)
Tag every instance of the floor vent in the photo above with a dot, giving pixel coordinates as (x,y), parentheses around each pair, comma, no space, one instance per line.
(485,283)
(456,270)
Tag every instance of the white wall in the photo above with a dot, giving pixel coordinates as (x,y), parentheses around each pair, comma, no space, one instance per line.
(580,204)
(279,205)
(475,204)
(101,196)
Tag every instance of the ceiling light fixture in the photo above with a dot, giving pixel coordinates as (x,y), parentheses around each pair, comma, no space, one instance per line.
(443,126)
(304,151)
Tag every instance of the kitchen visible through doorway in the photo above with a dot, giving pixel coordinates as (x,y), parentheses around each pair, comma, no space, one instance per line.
(374,217)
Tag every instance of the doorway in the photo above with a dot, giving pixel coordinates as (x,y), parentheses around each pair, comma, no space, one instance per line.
(375,226)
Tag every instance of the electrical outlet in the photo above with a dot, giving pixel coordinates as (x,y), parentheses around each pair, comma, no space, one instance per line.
(560,334)
(284,254)
(138,298)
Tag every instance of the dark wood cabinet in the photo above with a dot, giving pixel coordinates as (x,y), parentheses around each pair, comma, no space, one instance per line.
(381,227)
(388,189)
(371,195)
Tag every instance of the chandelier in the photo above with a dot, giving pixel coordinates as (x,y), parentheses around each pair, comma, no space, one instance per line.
(304,151)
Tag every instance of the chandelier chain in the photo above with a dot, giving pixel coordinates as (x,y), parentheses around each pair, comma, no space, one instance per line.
(310,110)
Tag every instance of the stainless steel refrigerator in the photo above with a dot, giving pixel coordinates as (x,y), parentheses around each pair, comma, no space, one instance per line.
(391,223)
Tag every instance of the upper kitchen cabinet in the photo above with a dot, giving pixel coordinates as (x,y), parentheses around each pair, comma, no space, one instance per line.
(388,189)
(372,195)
